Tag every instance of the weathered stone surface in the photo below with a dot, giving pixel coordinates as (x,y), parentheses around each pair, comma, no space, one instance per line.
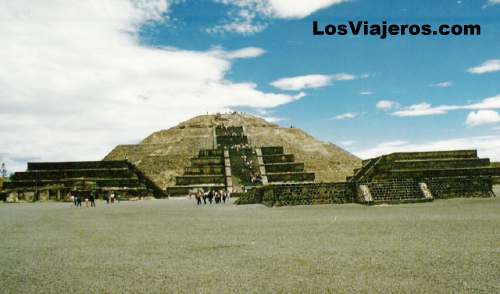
(165,154)
(54,180)
(300,194)
(394,178)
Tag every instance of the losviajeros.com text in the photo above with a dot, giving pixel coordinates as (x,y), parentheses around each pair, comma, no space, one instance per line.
(383,30)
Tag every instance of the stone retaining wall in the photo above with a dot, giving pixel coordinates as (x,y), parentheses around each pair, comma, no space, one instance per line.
(290,177)
(300,194)
(443,188)
(394,190)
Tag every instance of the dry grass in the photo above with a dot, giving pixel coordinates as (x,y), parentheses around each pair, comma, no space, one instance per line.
(173,246)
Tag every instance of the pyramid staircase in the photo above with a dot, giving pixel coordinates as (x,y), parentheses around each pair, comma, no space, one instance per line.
(237,166)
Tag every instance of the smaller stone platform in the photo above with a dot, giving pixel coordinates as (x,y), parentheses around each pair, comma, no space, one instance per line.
(55,180)
(405,177)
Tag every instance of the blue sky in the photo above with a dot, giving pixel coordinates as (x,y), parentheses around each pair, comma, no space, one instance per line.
(117,71)
(406,69)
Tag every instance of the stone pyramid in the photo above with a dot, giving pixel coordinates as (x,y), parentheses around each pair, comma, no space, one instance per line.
(170,157)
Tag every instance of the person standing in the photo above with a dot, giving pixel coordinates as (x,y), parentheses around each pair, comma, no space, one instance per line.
(224,196)
(198,198)
(112,196)
(78,201)
(210,196)
(72,198)
(92,199)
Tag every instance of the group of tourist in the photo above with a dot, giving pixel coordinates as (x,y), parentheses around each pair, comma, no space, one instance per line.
(255,177)
(247,161)
(211,196)
(241,146)
(77,199)
(226,131)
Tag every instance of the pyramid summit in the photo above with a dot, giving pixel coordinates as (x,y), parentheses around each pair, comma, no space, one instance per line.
(171,158)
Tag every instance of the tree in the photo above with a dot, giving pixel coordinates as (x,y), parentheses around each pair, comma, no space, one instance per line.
(3,171)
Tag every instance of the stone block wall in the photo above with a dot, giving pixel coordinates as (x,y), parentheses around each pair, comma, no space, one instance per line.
(432,155)
(198,179)
(434,164)
(68,174)
(76,165)
(270,150)
(300,194)
(204,161)
(285,167)
(291,177)
(204,170)
(395,190)
(442,188)
(278,158)
(439,173)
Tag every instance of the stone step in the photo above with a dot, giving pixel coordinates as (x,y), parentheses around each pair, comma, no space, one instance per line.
(439,172)
(205,161)
(433,155)
(75,173)
(434,163)
(280,158)
(231,140)
(204,170)
(71,165)
(401,201)
(210,153)
(272,150)
(290,177)
(284,167)
(126,182)
(229,131)
(199,179)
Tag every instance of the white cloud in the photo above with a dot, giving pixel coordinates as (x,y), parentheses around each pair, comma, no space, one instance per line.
(343,77)
(298,8)
(423,109)
(385,105)
(344,116)
(366,93)
(303,82)
(75,79)
(273,119)
(482,117)
(487,146)
(310,81)
(251,16)
(446,84)
(488,66)
(492,2)
(249,52)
